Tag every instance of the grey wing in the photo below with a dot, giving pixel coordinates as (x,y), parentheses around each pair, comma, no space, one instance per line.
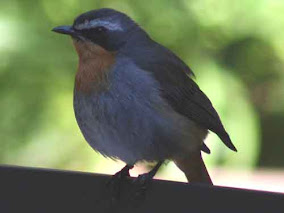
(190,101)
(179,90)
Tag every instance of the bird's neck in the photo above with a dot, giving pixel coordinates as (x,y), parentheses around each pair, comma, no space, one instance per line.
(94,65)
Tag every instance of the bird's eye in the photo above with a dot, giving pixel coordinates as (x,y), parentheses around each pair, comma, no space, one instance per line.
(100,29)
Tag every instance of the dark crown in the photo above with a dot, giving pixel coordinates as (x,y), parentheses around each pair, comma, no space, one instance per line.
(108,18)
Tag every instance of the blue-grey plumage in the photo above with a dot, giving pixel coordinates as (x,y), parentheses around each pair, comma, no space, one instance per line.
(135,100)
(131,121)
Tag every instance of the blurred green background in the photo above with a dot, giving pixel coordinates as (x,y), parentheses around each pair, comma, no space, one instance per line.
(235,48)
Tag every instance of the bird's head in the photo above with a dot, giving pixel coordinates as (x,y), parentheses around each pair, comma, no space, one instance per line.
(107,28)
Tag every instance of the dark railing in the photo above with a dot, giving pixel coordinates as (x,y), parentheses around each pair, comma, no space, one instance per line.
(43,190)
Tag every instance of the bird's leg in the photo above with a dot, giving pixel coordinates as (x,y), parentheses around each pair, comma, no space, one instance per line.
(144,180)
(149,176)
(115,183)
(123,173)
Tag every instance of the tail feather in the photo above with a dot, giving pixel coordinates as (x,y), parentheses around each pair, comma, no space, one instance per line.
(227,141)
(194,168)
(205,148)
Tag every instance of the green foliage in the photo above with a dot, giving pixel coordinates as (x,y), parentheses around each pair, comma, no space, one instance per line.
(235,49)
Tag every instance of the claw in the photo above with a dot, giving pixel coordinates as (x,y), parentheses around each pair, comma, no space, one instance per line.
(116,182)
(143,182)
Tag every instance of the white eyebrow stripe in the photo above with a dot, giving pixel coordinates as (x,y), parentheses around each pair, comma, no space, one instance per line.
(96,23)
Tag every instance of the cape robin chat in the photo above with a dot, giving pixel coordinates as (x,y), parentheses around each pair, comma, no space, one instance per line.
(135,100)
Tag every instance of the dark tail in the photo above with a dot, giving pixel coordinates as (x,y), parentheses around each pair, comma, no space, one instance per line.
(227,140)
(194,168)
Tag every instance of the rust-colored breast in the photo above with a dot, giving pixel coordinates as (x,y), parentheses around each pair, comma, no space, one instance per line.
(94,64)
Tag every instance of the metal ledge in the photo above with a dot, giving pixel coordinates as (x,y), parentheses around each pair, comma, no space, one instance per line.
(44,190)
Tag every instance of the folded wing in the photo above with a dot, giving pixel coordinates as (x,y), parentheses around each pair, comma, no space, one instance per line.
(179,90)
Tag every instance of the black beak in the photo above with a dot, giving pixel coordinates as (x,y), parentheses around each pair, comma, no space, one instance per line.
(68,30)
(64,30)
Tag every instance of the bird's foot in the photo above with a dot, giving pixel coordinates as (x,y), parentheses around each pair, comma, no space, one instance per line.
(117,181)
(143,182)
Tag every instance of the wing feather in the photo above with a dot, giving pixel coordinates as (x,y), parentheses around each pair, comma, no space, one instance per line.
(179,89)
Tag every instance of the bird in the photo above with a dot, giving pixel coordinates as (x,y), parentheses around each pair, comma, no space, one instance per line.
(137,101)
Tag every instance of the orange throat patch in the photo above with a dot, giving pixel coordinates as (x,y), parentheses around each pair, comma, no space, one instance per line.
(94,65)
